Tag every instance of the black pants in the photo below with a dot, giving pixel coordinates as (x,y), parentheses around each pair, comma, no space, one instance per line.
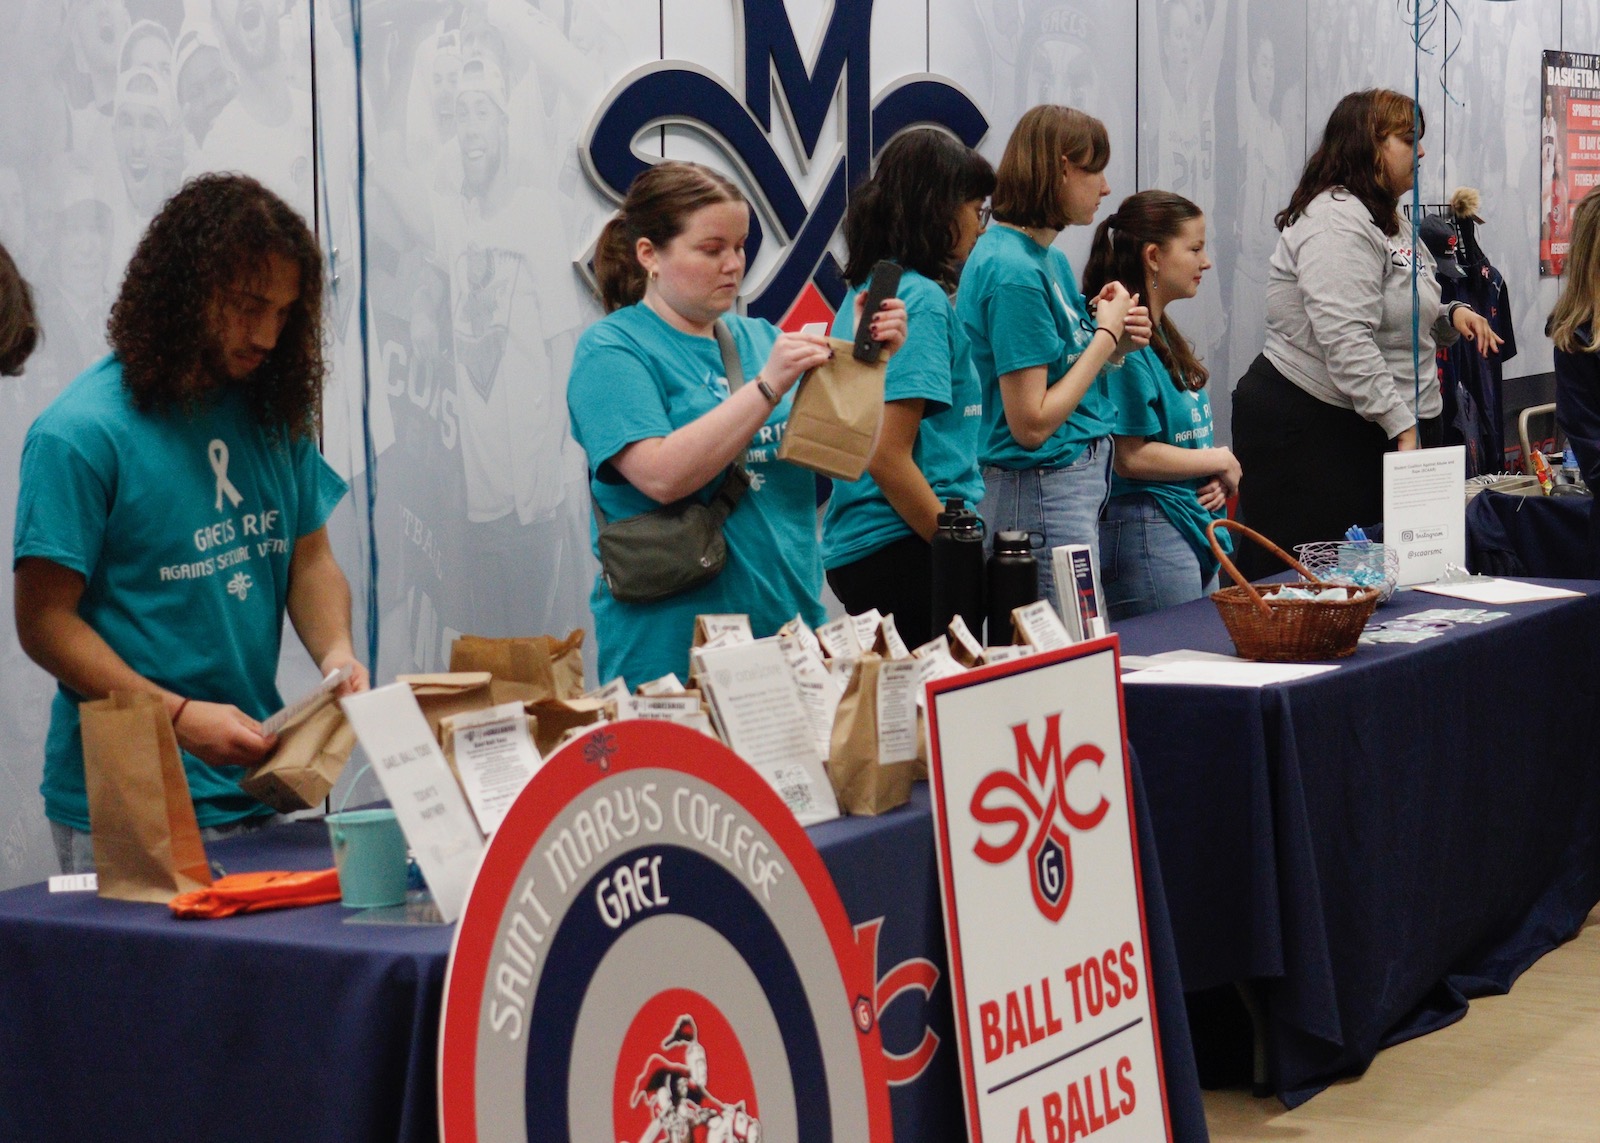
(897,579)
(1310,469)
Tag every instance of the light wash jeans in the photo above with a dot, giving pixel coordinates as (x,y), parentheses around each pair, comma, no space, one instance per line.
(1148,565)
(1062,503)
(75,847)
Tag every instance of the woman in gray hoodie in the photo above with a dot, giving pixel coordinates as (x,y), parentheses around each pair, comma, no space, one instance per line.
(1335,386)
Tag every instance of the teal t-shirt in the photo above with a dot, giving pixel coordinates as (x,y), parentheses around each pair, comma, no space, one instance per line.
(1022,307)
(1149,404)
(935,364)
(183,526)
(635,377)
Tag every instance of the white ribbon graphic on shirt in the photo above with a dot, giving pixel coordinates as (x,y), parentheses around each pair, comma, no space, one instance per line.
(218,452)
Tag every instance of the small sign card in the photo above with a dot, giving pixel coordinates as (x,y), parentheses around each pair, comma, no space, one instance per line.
(1425,510)
(495,757)
(757,706)
(434,815)
(1040,626)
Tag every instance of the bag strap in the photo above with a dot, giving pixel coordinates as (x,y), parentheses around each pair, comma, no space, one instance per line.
(735,479)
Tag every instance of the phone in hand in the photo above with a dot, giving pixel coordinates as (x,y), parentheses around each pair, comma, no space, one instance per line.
(884,284)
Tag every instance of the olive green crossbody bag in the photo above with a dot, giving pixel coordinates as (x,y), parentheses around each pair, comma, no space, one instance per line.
(679,546)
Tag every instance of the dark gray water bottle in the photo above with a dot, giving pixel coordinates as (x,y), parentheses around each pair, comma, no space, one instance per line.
(1013,581)
(958,569)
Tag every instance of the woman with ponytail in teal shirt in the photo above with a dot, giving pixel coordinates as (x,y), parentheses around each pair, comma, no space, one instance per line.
(1169,480)
(652,408)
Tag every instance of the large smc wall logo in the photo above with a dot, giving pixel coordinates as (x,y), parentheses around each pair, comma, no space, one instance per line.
(653,949)
(1033,802)
(679,93)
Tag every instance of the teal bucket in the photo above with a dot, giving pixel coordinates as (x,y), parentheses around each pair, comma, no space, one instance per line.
(369,850)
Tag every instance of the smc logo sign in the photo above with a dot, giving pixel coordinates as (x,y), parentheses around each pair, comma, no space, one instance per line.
(677,93)
(1032,802)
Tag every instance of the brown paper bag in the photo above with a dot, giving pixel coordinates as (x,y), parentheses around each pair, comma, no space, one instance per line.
(442,695)
(557,717)
(838,410)
(309,758)
(554,667)
(862,784)
(146,842)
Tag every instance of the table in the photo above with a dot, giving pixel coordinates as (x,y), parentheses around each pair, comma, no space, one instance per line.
(1375,845)
(117,1021)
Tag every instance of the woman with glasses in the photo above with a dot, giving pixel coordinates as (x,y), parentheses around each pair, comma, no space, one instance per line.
(923,209)
(1334,387)
(1047,416)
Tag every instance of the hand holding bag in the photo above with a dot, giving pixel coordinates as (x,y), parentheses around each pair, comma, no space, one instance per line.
(146,841)
(679,546)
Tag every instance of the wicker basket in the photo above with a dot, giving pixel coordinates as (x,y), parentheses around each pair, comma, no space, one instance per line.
(1290,630)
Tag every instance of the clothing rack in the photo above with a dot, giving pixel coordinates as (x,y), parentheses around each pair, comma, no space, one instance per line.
(1429,209)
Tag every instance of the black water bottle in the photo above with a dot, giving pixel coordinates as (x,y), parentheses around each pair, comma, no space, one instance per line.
(958,569)
(1013,580)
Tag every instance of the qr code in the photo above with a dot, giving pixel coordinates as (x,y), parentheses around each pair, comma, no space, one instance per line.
(794,787)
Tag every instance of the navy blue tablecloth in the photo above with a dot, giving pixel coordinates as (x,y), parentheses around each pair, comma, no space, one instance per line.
(119,1022)
(1375,845)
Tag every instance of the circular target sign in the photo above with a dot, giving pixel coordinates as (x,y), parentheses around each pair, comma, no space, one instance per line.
(653,949)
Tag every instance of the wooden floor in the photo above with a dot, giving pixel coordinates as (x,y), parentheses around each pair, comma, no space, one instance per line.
(1520,1067)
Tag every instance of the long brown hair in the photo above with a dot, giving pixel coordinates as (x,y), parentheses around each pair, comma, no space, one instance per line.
(215,233)
(659,203)
(1348,155)
(1028,189)
(1117,255)
(1575,308)
(908,210)
(19,328)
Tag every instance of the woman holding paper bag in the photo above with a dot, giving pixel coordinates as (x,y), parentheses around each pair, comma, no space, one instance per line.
(652,405)
(922,208)
(1045,445)
(1168,481)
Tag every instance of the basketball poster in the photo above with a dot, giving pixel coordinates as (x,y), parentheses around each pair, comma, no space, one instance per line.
(1569,149)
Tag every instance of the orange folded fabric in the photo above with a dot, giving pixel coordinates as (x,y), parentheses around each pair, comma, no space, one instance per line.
(257,892)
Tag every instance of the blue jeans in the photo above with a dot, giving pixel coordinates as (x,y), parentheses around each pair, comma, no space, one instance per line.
(1148,565)
(75,847)
(1062,503)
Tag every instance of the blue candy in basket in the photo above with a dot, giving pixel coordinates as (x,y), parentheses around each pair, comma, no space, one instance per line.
(1354,561)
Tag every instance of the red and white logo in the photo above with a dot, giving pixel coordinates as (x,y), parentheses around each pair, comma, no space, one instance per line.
(1031,804)
(692,1083)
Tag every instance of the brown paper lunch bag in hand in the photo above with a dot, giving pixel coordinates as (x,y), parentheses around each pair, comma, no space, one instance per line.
(146,842)
(862,784)
(311,753)
(837,412)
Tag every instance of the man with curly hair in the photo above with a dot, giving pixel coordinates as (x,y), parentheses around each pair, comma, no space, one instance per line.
(19,328)
(173,502)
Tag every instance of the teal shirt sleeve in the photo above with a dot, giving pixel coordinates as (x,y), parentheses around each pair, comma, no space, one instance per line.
(320,488)
(1022,328)
(63,505)
(921,369)
(1134,395)
(612,398)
